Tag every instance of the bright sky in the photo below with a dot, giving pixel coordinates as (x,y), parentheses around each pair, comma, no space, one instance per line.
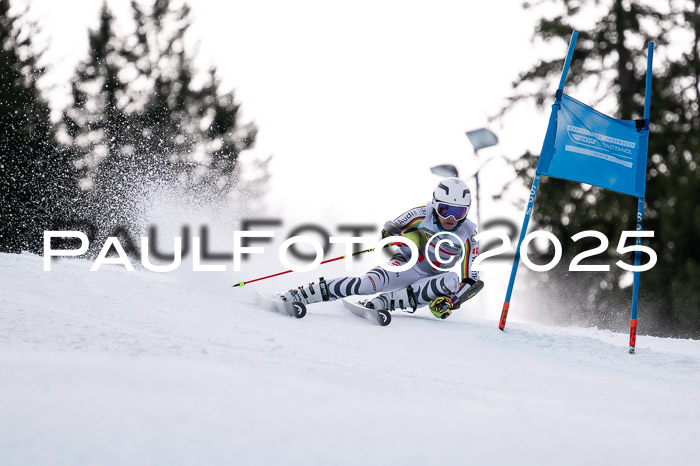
(355,100)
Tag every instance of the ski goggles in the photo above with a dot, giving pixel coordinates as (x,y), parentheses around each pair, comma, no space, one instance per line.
(447,210)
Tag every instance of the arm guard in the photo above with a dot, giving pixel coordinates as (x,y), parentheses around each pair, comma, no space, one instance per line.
(467,290)
(391,229)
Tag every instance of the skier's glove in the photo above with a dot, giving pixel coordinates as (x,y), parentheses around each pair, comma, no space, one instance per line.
(417,236)
(441,307)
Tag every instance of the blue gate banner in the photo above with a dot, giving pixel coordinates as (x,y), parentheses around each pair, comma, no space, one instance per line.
(593,148)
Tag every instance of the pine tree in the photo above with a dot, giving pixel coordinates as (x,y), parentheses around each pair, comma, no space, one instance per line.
(139,119)
(99,129)
(674,181)
(190,132)
(97,121)
(609,65)
(36,178)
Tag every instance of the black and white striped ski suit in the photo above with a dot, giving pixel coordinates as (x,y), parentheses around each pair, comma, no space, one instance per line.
(425,287)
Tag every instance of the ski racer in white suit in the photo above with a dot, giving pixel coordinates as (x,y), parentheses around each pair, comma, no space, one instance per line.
(429,281)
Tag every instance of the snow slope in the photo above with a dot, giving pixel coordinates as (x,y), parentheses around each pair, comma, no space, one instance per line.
(140,368)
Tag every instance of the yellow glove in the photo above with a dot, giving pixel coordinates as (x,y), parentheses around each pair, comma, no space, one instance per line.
(418,237)
(441,307)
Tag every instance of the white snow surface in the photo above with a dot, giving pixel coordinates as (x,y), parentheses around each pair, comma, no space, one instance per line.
(139,368)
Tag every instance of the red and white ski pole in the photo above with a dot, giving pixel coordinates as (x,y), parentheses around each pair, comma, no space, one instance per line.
(239,284)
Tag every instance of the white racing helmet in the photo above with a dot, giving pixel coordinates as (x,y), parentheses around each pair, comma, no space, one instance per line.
(452,198)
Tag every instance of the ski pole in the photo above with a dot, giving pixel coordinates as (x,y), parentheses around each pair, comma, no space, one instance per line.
(239,284)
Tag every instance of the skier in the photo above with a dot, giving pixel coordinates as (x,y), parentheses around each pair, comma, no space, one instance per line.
(429,281)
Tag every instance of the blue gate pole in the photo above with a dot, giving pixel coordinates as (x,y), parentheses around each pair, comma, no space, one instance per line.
(635,286)
(640,208)
(548,142)
(516,261)
(647,90)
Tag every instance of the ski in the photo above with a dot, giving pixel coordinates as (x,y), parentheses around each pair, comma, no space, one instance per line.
(382,317)
(288,308)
